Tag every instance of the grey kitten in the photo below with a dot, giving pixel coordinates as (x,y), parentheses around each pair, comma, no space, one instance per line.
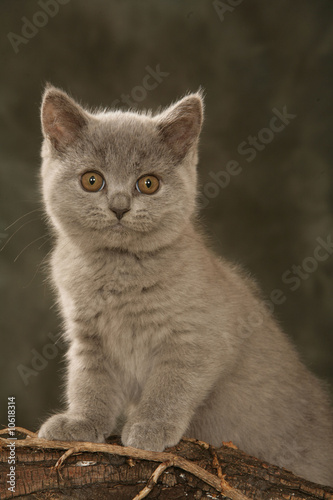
(165,338)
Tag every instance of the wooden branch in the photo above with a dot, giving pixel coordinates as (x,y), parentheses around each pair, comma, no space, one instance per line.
(153,480)
(192,469)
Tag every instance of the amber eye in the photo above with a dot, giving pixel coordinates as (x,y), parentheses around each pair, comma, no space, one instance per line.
(92,181)
(148,184)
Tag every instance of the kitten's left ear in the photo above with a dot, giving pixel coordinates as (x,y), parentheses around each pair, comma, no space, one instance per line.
(180,124)
(62,118)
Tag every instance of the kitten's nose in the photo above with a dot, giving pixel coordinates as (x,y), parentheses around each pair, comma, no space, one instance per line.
(119,211)
(120,203)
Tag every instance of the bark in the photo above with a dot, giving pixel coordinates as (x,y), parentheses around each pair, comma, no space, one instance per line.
(191,470)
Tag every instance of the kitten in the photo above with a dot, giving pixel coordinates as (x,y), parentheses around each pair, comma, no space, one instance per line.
(165,339)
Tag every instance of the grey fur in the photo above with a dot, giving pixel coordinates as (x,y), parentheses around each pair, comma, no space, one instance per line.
(165,338)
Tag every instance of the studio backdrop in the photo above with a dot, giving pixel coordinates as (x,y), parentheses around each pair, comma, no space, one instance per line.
(265,166)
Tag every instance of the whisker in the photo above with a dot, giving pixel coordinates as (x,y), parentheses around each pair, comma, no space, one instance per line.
(10,237)
(32,242)
(22,216)
(37,269)
(41,262)
(48,239)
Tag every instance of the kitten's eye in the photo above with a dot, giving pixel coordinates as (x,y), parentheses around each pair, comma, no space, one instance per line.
(92,181)
(148,184)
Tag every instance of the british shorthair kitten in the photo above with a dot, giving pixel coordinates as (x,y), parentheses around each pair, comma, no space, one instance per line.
(164,336)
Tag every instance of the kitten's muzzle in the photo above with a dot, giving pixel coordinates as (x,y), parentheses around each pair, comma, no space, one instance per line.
(119,212)
(120,204)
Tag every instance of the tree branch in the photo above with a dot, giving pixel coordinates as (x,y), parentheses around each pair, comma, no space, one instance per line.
(192,467)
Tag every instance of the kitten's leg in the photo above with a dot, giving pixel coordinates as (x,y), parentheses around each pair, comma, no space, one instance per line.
(178,383)
(93,395)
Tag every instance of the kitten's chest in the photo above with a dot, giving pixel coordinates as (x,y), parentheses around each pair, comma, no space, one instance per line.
(117,294)
(119,300)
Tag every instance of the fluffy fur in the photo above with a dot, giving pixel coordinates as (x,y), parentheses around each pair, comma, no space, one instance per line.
(165,338)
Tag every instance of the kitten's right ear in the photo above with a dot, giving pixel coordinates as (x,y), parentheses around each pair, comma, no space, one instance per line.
(62,119)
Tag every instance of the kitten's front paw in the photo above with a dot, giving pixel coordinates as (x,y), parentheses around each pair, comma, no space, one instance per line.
(150,436)
(65,427)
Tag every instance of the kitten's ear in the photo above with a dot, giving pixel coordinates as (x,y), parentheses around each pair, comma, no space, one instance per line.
(180,124)
(62,119)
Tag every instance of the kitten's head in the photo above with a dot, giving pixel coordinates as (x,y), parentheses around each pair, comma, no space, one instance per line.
(119,180)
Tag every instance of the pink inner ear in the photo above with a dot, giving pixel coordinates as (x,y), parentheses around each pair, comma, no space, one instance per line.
(53,127)
(181,134)
(62,120)
(60,132)
(180,128)
(58,125)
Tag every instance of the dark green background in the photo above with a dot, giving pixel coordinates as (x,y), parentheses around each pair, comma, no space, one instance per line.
(263,55)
